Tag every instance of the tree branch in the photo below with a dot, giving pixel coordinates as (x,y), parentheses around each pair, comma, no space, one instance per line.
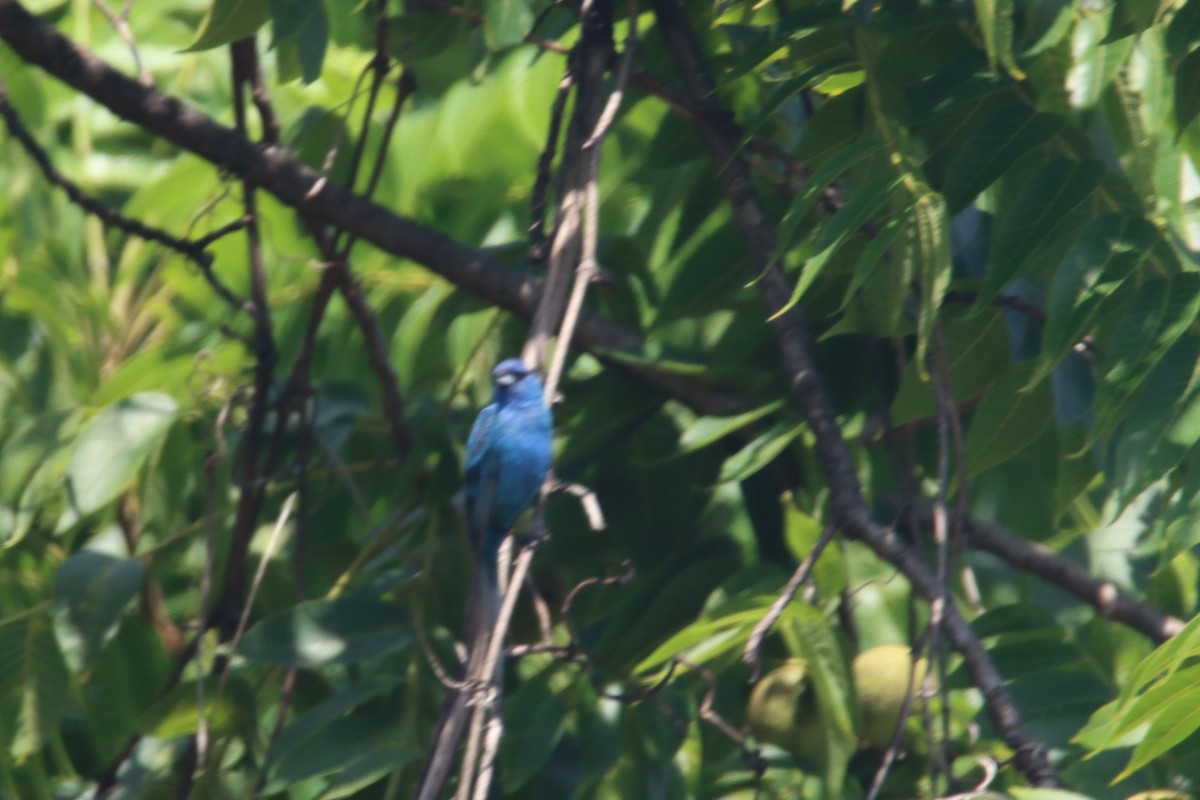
(1037,559)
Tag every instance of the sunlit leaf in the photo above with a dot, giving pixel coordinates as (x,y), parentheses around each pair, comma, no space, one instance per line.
(323,632)
(228,21)
(114,445)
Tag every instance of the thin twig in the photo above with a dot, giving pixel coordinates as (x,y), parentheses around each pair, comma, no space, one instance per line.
(752,654)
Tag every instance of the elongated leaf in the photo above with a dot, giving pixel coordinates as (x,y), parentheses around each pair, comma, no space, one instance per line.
(978,351)
(114,445)
(1007,420)
(229,20)
(34,676)
(931,247)
(1173,724)
(323,632)
(90,592)
(1163,425)
(829,171)
(525,750)
(760,452)
(1107,252)
(706,639)
(706,430)
(1158,315)
(506,22)
(995,20)
(992,148)
(866,202)
(1039,212)
(1187,91)
(1180,687)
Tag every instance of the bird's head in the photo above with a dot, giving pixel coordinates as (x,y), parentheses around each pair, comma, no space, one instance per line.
(513,379)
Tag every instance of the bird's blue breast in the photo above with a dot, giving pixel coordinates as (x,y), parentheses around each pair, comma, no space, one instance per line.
(521,451)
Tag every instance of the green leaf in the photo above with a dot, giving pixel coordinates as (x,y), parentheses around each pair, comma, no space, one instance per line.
(506,23)
(977,349)
(228,21)
(930,246)
(1008,419)
(91,590)
(1174,722)
(995,20)
(1022,793)
(526,748)
(35,681)
(114,445)
(707,430)
(1159,313)
(992,149)
(829,171)
(1187,91)
(319,633)
(1039,213)
(707,639)
(865,203)
(760,452)
(1177,688)
(353,735)
(1107,252)
(231,711)
(289,16)
(1163,424)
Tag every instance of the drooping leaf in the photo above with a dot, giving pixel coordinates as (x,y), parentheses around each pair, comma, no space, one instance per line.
(995,20)
(506,22)
(992,148)
(91,590)
(525,751)
(319,633)
(762,450)
(228,21)
(1187,91)
(35,681)
(1107,252)
(1041,211)
(1163,423)
(1007,420)
(706,430)
(114,445)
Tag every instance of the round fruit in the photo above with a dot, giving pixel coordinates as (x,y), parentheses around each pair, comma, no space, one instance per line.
(783,712)
(881,680)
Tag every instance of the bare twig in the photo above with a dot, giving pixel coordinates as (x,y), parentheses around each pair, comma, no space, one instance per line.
(120,23)
(752,655)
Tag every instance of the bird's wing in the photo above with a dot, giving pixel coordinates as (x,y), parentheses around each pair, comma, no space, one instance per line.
(480,483)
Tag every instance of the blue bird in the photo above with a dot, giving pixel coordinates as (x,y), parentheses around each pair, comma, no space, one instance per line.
(508,456)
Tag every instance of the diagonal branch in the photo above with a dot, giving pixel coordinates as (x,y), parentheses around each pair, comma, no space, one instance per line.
(849,510)
(273,169)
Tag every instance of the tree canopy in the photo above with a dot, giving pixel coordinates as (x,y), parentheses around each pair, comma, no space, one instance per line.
(866,324)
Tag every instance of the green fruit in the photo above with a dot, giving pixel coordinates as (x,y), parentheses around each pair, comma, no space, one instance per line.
(881,682)
(783,712)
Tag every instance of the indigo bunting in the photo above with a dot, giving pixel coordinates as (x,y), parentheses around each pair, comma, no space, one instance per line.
(508,456)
